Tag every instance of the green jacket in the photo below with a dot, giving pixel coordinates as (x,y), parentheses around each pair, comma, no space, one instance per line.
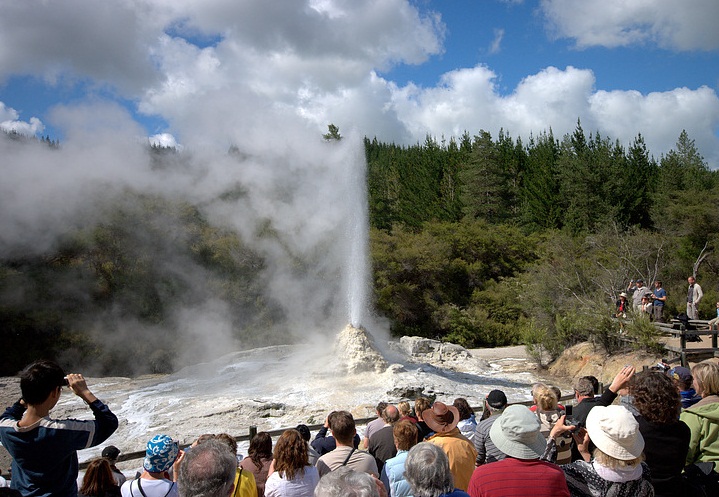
(703,420)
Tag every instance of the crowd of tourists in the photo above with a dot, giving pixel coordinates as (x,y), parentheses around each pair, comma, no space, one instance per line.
(650,433)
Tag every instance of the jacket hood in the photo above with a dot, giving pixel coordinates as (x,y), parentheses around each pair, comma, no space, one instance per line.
(708,408)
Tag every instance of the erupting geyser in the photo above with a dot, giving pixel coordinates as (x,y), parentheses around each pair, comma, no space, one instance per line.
(357,267)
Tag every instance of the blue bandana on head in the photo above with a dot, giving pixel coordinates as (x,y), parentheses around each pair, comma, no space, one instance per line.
(161,453)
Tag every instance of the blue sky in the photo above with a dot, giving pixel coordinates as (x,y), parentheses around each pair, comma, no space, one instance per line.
(526,46)
(186,71)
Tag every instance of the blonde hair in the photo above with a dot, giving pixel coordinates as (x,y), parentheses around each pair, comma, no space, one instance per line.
(613,463)
(545,398)
(706,375)
(404,409)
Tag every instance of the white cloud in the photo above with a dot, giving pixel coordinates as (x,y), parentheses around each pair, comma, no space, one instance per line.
(289,63)
(163,140)
(9,122)
(104,41)
(616,23)
(496,45)
(467,99)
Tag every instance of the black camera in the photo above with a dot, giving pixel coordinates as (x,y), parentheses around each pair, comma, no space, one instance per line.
(570,421)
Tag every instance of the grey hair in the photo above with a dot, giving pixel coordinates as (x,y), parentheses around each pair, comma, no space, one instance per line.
(427,471)
(346,482)
(208,470)
(584,387)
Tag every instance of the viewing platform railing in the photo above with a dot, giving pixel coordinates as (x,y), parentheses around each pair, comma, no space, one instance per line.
(129,456)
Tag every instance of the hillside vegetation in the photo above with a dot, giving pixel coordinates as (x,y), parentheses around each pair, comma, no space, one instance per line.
(482,241)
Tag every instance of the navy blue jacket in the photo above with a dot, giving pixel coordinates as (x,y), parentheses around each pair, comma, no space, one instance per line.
(45,454)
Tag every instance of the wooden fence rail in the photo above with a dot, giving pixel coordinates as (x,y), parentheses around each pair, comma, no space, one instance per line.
(677,329)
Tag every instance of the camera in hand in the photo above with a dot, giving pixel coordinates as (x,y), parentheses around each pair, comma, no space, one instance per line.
(570,421)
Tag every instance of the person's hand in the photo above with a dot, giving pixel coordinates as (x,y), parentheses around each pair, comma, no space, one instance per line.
(581,438)
(622,379)
(78,385)
(327,422)
(380,487)
(177,463)
(560,428)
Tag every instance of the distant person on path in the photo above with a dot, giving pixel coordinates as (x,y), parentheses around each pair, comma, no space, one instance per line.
(622,306)
(647,306)
(660,300)
(714,323)
(44,450)
(694,296)
(639,290)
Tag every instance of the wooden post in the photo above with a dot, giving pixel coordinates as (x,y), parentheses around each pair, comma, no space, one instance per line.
(253,432)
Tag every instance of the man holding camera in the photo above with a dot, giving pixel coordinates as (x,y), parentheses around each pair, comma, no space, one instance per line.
(44,450)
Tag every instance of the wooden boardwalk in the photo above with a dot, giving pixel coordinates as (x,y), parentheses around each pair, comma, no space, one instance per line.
(695,344)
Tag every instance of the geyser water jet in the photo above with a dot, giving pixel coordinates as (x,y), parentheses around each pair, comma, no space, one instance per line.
(357,267)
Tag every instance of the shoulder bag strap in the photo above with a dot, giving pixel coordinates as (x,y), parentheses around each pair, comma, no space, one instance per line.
(139,486)
(236,493)
(348,457)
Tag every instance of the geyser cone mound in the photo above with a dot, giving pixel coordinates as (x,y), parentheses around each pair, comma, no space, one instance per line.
(356,349)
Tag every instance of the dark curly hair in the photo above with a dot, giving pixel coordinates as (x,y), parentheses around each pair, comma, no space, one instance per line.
(655,397)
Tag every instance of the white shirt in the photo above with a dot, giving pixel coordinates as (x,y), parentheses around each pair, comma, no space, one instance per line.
(303,485)
(152,488)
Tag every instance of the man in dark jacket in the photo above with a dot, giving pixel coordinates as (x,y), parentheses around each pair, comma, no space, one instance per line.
(44,450)
(586,400)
